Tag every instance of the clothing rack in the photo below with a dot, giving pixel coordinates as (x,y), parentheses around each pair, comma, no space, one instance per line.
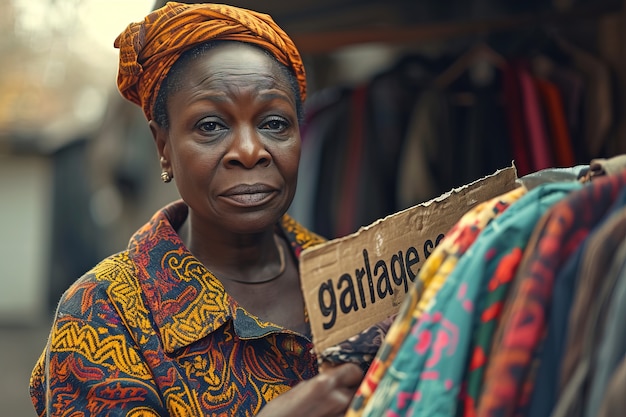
(322,42)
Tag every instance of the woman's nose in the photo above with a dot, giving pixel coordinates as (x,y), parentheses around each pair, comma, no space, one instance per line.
(247,150)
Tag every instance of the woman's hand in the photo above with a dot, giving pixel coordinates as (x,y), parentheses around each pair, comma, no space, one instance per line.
(327,394)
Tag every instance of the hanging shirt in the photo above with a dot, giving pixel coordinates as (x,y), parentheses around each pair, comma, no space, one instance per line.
(539,151)
(461,302)
(559,139)
(508,379)
(394,367)
(518,130)
(609,382)
(588,314)
(495,257)
(545,391)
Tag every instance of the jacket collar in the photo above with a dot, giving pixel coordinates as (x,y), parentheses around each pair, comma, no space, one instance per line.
(186,300)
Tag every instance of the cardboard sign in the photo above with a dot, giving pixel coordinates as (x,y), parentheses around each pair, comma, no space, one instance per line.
(353,282)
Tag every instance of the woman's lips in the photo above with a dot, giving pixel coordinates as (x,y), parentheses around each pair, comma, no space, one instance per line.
(249,195)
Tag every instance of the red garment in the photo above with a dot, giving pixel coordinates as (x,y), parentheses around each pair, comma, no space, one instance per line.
(560,139)
(517,130)
(537,141)
(350,180)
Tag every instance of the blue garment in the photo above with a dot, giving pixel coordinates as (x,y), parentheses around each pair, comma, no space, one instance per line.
(612,346)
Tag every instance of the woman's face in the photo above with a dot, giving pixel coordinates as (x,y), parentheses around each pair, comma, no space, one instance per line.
(233,142)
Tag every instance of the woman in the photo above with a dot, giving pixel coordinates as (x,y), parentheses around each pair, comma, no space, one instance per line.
(203,313)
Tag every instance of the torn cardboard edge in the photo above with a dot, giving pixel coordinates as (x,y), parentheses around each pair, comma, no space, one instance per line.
(353,282)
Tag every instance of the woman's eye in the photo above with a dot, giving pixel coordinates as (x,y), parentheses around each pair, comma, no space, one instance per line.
(275,125)
(210,126)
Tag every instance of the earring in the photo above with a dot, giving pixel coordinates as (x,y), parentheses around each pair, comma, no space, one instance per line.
(165,176)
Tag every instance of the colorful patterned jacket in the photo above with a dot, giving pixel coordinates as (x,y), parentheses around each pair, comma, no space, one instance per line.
(150,331)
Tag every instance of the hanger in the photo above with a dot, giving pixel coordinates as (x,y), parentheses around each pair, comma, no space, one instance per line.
(474,59)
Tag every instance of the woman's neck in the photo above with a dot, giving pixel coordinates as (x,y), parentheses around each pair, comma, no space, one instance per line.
(243,258)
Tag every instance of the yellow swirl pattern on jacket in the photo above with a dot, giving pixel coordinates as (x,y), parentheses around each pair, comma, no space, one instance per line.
(99,347)
(302,237)
(181,402)
(142,412)
(125,290)
(210,300)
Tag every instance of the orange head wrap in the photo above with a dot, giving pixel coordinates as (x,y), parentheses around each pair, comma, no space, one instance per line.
(148,49)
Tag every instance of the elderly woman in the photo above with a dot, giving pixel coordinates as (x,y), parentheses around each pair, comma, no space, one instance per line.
(202,314)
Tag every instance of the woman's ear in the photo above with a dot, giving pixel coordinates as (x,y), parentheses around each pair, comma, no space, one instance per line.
(159,134)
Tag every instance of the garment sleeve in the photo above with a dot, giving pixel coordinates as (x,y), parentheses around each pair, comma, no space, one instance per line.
(360,349)
(91,365)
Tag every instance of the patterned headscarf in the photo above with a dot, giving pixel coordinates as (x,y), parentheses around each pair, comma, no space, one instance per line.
(148,49)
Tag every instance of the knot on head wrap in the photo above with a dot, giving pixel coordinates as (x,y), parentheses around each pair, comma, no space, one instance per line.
(148,49)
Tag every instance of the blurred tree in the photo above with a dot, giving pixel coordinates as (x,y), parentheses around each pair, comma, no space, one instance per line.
(54,78)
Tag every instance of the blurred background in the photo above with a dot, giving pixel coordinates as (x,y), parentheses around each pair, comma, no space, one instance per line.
(407,100)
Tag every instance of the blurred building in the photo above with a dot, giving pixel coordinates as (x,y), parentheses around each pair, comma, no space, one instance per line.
(57,77)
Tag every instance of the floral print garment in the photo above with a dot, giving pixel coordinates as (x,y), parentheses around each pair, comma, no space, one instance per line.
(393,363)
